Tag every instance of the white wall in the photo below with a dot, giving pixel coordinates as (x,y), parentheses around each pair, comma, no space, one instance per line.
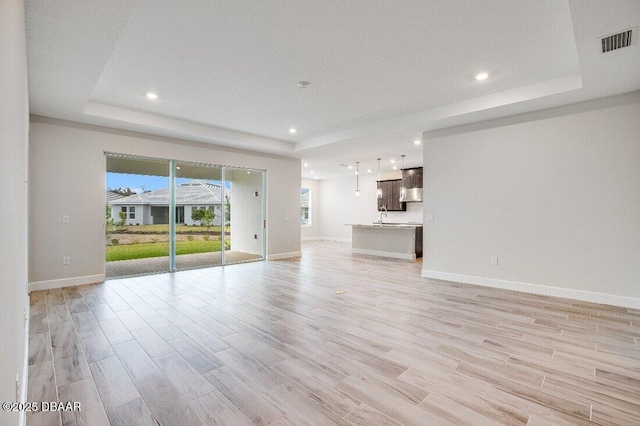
(339,206)
(555,195)
(14,127)
(68,177)
(246,211)
(315,230)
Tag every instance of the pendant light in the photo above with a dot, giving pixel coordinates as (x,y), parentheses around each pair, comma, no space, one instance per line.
(403,190)
(357,180)
(379,190)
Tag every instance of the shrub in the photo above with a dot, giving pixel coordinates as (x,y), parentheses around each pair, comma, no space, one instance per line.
(190,237)
(115,241)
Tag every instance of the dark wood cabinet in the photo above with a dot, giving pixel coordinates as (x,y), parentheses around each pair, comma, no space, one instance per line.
(391,195)
(412,178)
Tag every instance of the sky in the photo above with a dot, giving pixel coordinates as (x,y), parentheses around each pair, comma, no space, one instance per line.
(149,183)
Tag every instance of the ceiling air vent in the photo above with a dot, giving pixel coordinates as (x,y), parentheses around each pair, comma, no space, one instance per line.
(618,41)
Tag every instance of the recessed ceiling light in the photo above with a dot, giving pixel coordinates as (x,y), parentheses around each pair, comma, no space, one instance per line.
(303,84)
(350,167)
(417,142)
(306,164)
(312,172)
(316,177)
(368,170)
(248,173)
(178,167)
(392,161)
(152,96)
(482,76)
(292,130)
(395,167)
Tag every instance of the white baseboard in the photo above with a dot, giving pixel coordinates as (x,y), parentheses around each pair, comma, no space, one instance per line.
(65,282)
(311,239)
(568,293)
(394,255)
(280,256)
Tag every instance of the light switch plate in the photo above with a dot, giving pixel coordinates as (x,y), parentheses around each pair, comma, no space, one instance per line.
(65,218)
(429,218)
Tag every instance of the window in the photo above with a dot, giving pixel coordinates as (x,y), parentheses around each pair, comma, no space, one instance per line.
(305,207)
(131,209)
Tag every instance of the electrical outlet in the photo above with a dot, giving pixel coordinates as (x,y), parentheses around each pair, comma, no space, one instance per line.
(429,218)
(255,236)
(494,260)
(17,387)
(66,260)
(65,218)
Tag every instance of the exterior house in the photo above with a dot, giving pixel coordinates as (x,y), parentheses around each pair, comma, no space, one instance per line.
(152,208)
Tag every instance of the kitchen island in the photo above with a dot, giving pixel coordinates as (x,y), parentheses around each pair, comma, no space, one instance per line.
(397,240)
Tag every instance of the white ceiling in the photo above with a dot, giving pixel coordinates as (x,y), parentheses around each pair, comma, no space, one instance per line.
(382,72)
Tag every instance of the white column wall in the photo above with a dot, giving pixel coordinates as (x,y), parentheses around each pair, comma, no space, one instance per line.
(14,131)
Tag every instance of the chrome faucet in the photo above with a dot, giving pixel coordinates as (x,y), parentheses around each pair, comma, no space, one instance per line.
(384,207)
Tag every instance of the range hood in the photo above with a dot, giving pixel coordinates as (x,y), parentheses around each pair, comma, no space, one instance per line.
(411,195)
(412,182)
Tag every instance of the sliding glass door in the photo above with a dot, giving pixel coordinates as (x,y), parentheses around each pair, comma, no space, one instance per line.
(136,216)
(164,215)
(199,203)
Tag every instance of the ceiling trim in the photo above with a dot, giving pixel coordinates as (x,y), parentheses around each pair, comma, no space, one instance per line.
(217,135)
(423,119)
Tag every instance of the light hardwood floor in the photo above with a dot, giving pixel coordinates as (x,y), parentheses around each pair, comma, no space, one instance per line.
(272,343)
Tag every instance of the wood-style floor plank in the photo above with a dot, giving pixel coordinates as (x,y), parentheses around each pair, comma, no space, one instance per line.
(184,377)
(95,345)
(165,402)
(68,359)
(85,392)
(272,343)
(113,384)
(135,360)
(39,348)
(215,409)
(257,407)
(132,413)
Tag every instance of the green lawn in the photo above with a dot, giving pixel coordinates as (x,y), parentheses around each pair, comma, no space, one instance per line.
(142,251)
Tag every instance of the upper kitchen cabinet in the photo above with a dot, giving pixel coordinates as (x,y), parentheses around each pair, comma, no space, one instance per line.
(391,196)
(412,178)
